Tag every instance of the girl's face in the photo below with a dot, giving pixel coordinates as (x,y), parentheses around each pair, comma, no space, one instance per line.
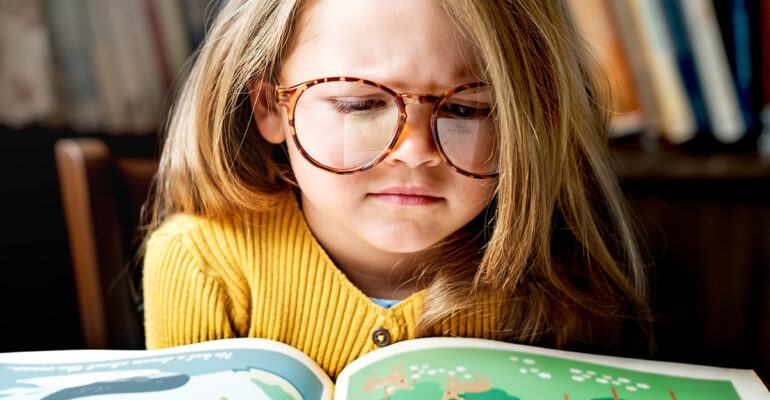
(412,199)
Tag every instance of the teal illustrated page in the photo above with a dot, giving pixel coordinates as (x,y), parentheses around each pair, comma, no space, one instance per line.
(474,374)
(220,374)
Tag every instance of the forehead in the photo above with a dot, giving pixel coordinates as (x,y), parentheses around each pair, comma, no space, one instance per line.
(405,44)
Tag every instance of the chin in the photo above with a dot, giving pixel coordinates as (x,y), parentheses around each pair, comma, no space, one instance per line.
(402,243)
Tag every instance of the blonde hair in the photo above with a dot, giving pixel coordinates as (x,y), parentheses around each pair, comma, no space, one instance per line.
(556,247)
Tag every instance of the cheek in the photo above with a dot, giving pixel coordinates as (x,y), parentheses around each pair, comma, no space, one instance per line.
(475,194)
(320,186)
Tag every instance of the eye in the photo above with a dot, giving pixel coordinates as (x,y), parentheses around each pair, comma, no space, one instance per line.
(457,110)
(350,106)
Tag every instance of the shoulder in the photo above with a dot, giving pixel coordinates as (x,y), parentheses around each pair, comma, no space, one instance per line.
(192,233)
(226,236)
(183,242)
(179,225)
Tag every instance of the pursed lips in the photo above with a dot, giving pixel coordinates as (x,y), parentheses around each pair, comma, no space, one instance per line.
(407,195)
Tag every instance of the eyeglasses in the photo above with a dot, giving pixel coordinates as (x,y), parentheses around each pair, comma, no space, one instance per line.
(345,125)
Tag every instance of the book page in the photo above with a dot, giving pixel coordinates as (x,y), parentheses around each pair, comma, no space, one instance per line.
(224,369)
(453,368)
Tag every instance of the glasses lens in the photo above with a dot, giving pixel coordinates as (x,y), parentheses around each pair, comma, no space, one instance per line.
(345,125)
(467,131)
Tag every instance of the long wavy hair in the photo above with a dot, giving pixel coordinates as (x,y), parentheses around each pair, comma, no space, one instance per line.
(556,248)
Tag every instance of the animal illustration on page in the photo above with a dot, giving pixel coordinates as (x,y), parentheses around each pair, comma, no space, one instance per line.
(389,383)
(455,387)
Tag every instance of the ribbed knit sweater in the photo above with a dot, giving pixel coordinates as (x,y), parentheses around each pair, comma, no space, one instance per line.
(264,275)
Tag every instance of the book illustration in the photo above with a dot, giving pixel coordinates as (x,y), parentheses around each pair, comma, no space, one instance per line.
(109,383)
(389,383)
(500,374)
(424,384)
(273,385)
(455,387)
(224,374)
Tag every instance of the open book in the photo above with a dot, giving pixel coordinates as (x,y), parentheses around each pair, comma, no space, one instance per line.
(432,368)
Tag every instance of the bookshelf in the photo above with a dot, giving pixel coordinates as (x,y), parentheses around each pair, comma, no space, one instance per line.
(704,205)
(672,164)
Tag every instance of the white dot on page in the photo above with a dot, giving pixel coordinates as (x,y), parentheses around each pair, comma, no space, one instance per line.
(467,376)
(513,358)
(631,389)
(577,378)
(600,380)
(575,371)
(624,380)
(414,368)
(432,372)
(544,375)
(534,370)
(461,369)
(523,370)
(529,361)
(642,386)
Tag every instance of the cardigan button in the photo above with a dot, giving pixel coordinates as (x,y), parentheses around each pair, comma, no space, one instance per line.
(381,337)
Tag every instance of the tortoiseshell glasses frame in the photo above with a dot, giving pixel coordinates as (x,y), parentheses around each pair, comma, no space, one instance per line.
(288,98)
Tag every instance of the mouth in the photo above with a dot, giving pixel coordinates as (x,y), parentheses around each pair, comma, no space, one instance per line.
(407,196)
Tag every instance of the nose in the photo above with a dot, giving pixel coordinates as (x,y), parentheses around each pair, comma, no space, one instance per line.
(415,146)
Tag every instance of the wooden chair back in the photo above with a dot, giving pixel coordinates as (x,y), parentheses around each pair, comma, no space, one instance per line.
(102,197)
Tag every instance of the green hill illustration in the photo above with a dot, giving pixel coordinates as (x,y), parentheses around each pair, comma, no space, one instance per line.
(275,387)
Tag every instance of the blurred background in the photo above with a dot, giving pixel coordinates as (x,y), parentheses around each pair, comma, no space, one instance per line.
(85,86)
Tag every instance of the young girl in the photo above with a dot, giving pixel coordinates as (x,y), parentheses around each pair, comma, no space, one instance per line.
(327,159)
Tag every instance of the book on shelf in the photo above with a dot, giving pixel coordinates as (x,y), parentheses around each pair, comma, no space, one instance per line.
(721,99)
(597,27)
(105,68)
(735,24)
(629,36)
(429,368)
(764,30)
(27,88)
(686,62)
(80,104)
(138,68)
(169,30)
(676,119)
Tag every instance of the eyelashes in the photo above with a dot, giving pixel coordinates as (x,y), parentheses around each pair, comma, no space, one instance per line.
(351,106)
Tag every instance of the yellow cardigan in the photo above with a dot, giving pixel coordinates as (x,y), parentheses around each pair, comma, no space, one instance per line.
(264,275)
